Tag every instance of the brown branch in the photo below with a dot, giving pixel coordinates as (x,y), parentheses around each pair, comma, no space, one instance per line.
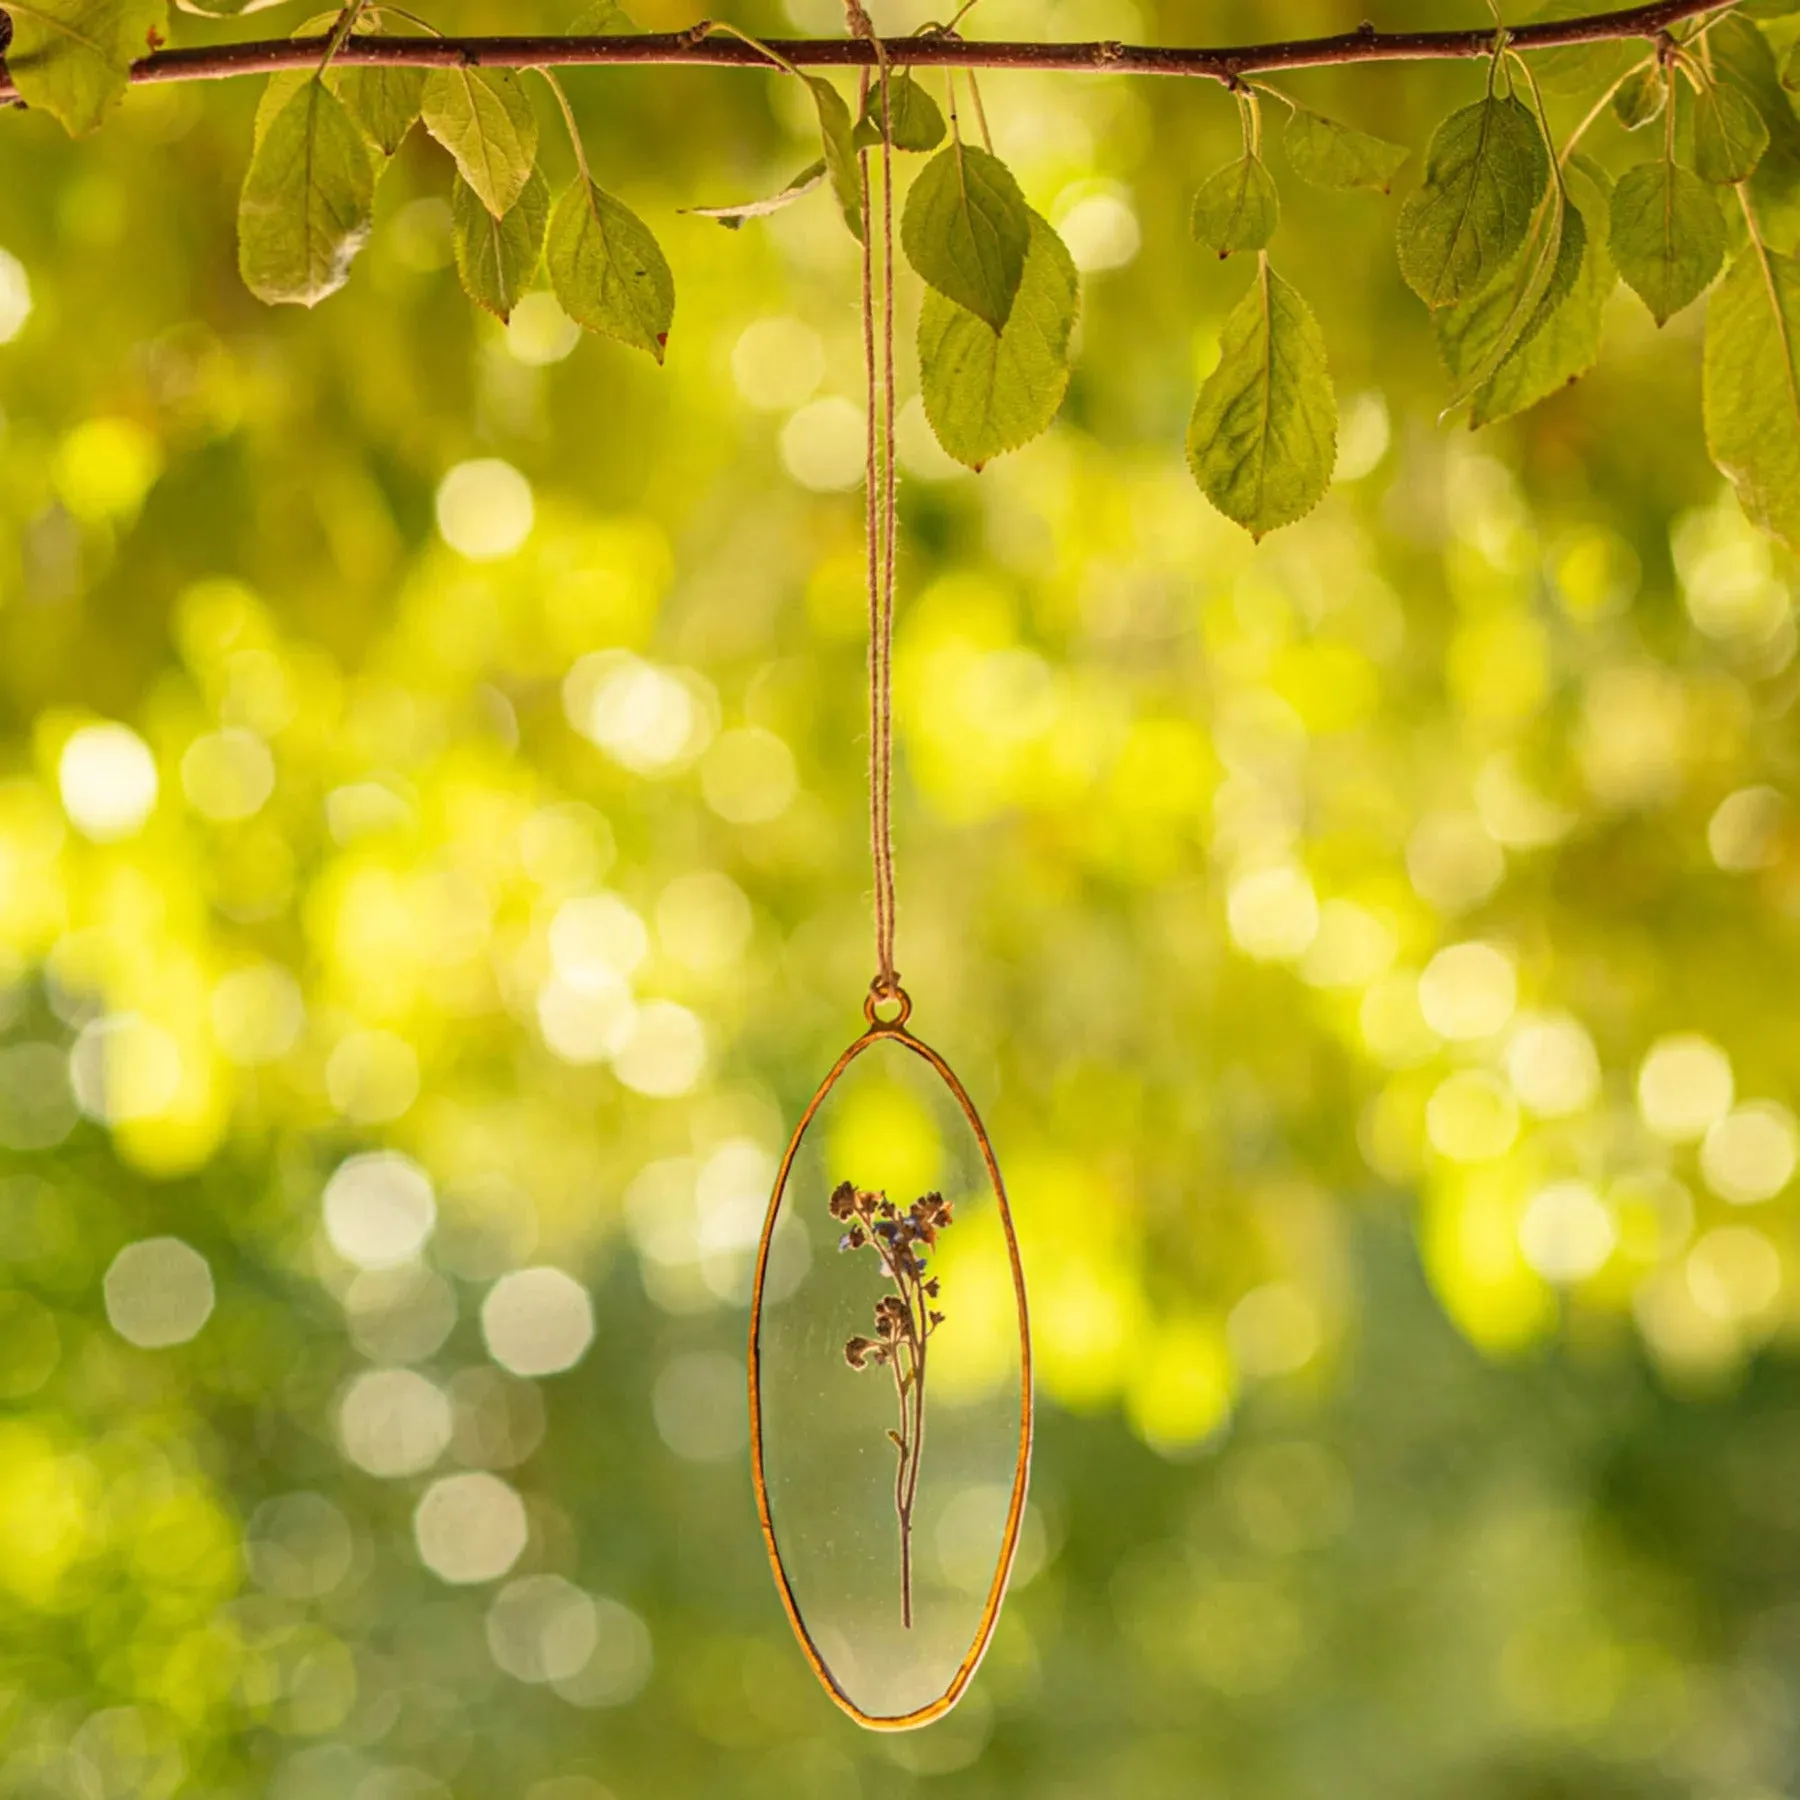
(696,46)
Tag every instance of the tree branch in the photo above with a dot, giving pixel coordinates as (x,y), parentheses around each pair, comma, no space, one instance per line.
(696,46)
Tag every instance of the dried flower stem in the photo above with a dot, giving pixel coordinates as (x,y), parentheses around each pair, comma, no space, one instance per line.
(904,1323)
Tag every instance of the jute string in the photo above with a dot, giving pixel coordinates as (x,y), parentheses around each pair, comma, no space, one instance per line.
(880,492)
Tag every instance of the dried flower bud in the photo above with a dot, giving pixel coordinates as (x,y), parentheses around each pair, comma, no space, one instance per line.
(931,1287)
(843,1201)
(856,1352)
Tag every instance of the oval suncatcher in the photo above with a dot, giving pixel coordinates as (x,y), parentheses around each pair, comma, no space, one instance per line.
(890,1348)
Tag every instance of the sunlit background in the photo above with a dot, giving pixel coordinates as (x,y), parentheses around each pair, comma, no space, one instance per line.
(432,878)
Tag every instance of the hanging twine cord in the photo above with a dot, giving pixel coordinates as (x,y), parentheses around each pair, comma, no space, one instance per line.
(880,515)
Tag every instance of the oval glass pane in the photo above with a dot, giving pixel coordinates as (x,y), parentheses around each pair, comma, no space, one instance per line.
(890,1384)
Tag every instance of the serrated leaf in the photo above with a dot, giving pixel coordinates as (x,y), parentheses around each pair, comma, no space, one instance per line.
(1667,236)
(1566,344)
(1263,437)
(841,164)
(73,58)
(1640,97)
(1741,55)
(483,117)
(732,217)
(1574,68)
(914,120)
(1477,335)
(608,271)
(497,258)
(1751,390)
(1237,207)
(1485,172)
(384,99)
(966,230)
(986,393)
(307,200)
(1331,155)
(1730,135)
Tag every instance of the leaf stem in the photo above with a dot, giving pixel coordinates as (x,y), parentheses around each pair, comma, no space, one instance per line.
(568,113)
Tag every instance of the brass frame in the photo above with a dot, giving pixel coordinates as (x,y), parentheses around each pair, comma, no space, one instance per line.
(894,1030)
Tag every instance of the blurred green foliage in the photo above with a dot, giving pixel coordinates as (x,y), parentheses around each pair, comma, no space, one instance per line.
(432,858)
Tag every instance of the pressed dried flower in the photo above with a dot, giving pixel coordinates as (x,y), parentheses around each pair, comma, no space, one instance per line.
(904,1324)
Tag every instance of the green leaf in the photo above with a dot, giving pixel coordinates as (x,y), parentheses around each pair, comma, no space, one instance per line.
(278,90)
(1574,68)
(226,9)
(1640,97)
(1237,207)
(1768,9)
(1729,134)
(1476,335)
(73,57)
(483,117)
(1751,389)
(986,393)
(914,120)
(608,271)
(1485,172)
(840,154)
(966,229)
(733,217)
(497,258)
(1566,343)
(1667,236)
(307,199)
(1330,155)
(385,100)
(1741,55)
(1263,437)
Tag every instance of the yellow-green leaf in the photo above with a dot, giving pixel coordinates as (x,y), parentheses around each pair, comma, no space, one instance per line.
(497,258)
(733,217)
(1565,343)
(1667,236)
(1729,134)
(966,229)
(608,271)
(1485,172)
(1237,207)
(73,57)
(986,393)
(1752,387)
(840,154)
(1475,336)
(1263,437)
(1332,155)
(383,98)
(307,199)
(483,117)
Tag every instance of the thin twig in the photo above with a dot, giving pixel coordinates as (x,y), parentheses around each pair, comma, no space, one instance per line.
(698,46)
